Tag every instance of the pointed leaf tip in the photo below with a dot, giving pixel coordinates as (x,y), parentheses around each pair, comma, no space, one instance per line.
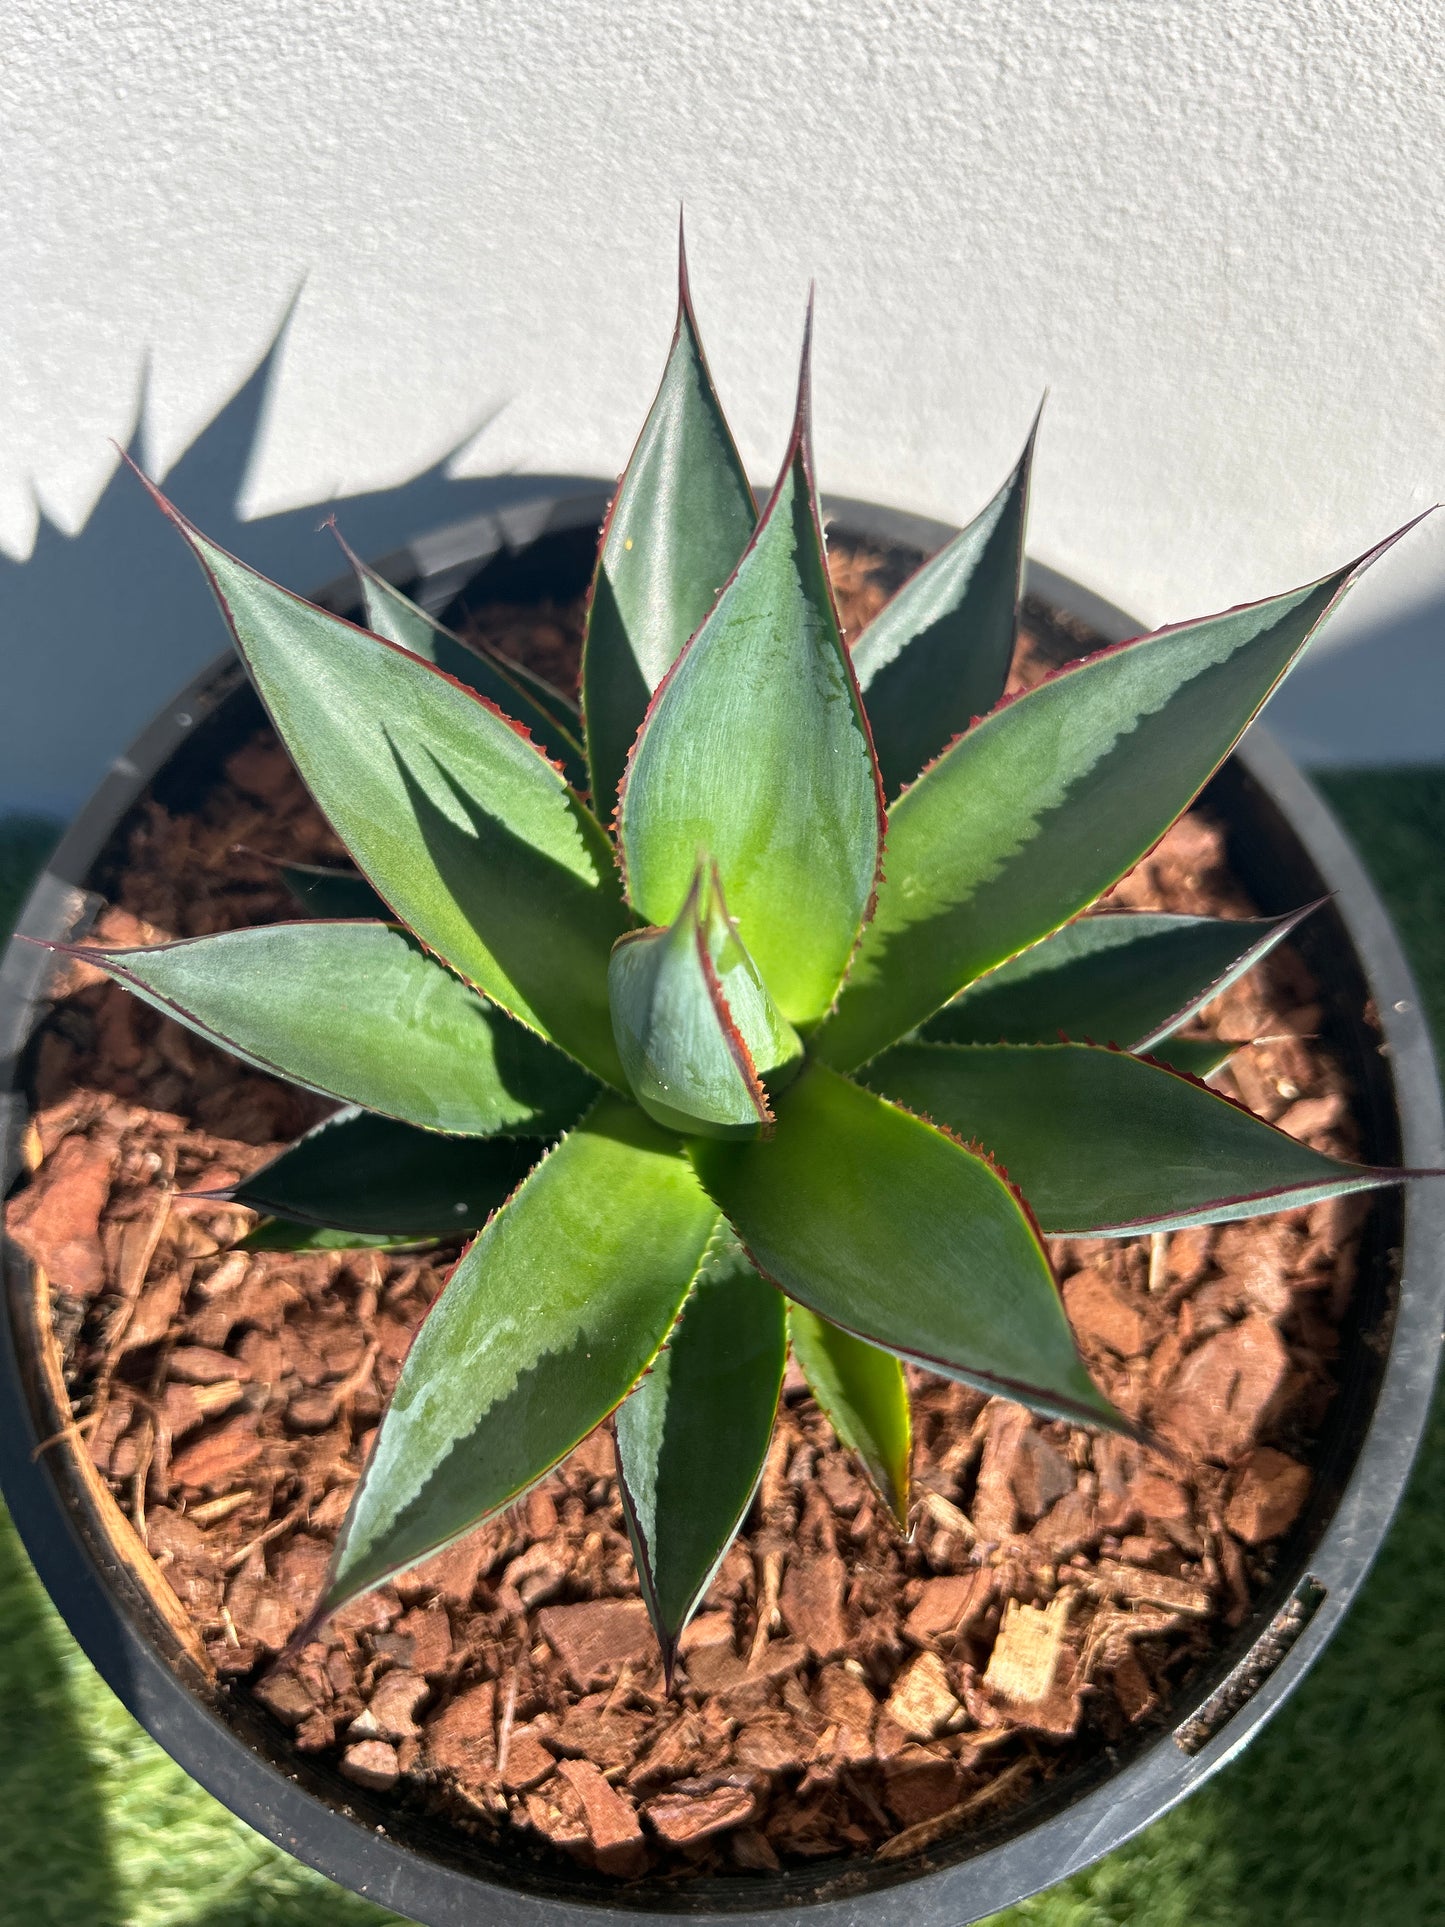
(881,1223)
(692,1438)
(936,657)
(682,515)
(1035,813)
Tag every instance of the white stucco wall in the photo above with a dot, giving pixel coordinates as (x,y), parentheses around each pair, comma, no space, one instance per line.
(1212,232)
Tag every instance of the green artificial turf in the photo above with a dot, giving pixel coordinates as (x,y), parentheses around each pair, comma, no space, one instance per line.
(1335,1817)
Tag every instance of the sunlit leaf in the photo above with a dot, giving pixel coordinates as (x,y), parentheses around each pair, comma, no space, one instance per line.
(1048,801)
(463,826)
(755,750)
(372,1174)
(938,653)
(884,1225)
(864,1396)
(681,518)
(1104,1143)
(1130,979)
(360,1012)
(692,1438)
(548,1321)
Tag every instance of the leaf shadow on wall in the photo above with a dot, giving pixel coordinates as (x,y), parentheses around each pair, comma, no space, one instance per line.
(98,628)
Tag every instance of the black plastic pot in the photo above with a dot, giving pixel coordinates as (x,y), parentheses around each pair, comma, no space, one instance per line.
(1284,847)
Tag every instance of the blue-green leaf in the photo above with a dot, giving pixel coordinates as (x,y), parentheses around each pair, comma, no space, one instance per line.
(1104,1144)
(325,891)
(1034,813)
(360,1172)
(551,1317)
(864,1396)
(882,1224)
(1132,979)
(755,749)
(526,698)
(696,1029)
(357,1011)
(938,654)
(462,825)
(682,516)
(692,1438)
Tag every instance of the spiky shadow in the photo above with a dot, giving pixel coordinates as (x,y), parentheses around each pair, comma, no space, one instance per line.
(98,628)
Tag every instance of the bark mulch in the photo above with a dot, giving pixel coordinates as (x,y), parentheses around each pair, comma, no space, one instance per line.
(842,1691)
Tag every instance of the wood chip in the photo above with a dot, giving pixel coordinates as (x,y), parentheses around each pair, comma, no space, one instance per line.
(812,1602)
(459,1740)
(1026,1654)
(684,1817)
(56,1219)
(612,1823)
(596,1639)
(1269,1490)
(945,1606)
(373,1764)
(922,1701)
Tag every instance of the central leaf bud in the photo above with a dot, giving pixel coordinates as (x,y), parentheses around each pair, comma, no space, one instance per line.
(696,1029)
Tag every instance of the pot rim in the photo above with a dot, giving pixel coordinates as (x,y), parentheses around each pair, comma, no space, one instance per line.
(1213,1720)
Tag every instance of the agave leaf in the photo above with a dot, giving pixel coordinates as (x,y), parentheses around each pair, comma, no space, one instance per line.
(360,1172)
(550,1318)
(324,891)
(888,1227)
(691,1440)
(681,517)
(1130,979)
(1104,1144)
(464,827)
(357,1011)
(696,1029)
(938,654)
(286,1234)
(864,1396)
(756,749)
(1197,1057)
(1048,801)
(526,698)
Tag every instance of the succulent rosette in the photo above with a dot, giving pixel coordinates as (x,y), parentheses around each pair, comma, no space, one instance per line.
(753,1006)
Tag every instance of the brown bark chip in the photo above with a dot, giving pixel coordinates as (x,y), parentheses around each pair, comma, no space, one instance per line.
(812,1602)
(612,1823)
(56,1219)
(688,1815)
(461,1739)
(216,1459)
(1269,1491)
(373,1764)
(529,1761)
(1102,1314)
(1217,1400)
(596,1640)
(390,1712)
(843,1690)
(945,1606)
(923,1703)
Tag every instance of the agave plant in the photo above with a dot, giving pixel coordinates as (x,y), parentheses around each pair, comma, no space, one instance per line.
(751,1008)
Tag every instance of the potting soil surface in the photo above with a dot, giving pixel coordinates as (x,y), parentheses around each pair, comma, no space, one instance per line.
(1010,1490)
